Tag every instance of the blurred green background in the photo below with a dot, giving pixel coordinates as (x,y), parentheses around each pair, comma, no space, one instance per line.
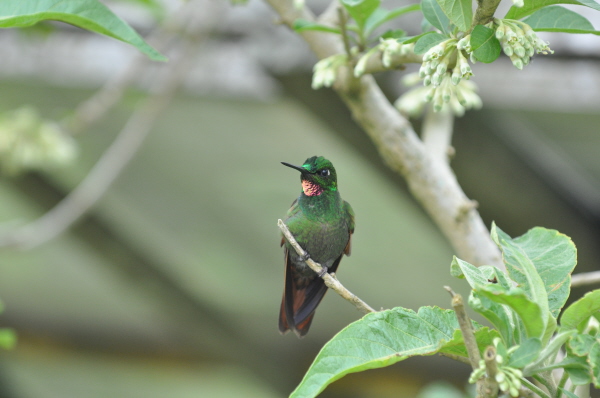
(171,286)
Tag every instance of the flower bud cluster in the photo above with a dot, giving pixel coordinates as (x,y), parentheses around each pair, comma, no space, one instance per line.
(28,142)
(325,71)
(459,97)
(438,60)
(519,42)
(508,378)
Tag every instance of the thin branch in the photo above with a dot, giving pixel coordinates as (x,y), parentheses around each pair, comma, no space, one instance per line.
(112,162)
(330,281)
(586,278)
(345,38)
(466,327)
(432,183)
(490,385)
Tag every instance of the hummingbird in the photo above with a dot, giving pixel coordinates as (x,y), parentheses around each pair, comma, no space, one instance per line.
(323,225)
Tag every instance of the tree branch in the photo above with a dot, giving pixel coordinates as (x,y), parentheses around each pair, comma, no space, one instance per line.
(437,133)
(432,183)
(330,281)
(484,12)
(586,278)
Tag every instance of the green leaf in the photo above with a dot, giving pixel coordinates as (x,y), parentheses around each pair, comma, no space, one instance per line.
(541,262)
(581,310)
(8,338)
(434,14)
(577,368)
(86,14)
(475,276)
(499,315)
(459,12)
(527,352)
(416,38)
(485,46)
(301,25)
(394,34)
(559,19)
(528,311)
(383,338)
(381,16)
(360,10)
(588,347)
(427,41)
(531,6)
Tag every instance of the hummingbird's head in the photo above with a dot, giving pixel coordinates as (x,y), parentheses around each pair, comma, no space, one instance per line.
(317,175)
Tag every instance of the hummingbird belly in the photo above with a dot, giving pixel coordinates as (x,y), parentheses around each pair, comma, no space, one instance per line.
(324,241)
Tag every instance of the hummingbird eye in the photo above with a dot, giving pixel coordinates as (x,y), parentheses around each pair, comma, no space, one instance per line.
(324,172)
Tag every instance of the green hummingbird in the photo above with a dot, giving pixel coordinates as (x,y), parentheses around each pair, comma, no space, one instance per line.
(323,225)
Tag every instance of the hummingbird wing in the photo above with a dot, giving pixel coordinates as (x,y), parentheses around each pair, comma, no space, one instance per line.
(350,217)
(301,297)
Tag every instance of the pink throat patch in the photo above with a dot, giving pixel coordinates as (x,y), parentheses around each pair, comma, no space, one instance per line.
(311,189)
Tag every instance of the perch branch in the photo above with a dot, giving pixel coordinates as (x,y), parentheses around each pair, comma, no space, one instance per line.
(432,183)
(330,281)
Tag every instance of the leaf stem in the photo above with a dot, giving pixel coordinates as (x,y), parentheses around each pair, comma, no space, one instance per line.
(534,388)
(562,383)
(329,280)
(547,381)
(343,21)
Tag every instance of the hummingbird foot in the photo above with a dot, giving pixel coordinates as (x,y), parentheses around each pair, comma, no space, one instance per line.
(304,257)
(323,271)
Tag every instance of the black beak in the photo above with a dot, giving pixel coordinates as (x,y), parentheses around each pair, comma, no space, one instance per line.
(300,169)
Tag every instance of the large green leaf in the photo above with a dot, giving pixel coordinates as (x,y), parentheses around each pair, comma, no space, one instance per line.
(86,14)
(360,10)
(486,47)
(383,338)
(529,312)
(559,19)
(581,310)
(541,262)
(531,6)
(381,15)
(434,14)
(459,12)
